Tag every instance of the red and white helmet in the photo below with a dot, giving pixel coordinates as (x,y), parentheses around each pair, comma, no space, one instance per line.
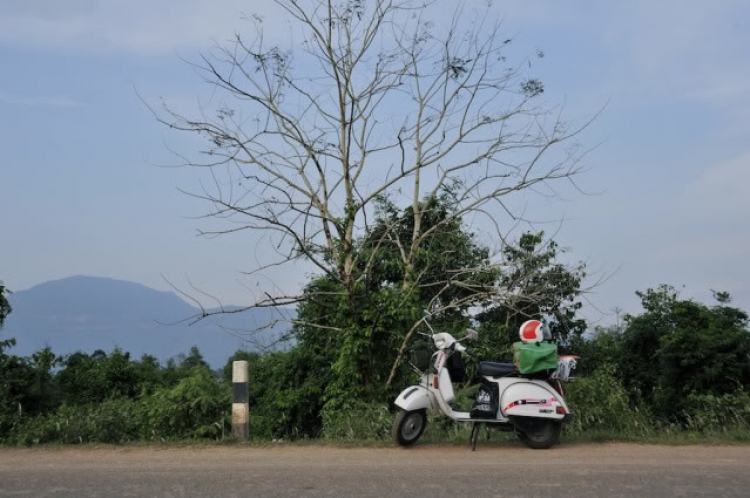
(532,331)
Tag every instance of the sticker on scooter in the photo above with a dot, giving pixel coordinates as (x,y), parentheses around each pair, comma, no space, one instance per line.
(521,402)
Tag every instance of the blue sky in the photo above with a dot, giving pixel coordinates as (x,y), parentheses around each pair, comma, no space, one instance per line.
(80,192)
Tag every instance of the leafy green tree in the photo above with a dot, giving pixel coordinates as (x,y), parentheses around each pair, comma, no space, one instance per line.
(679,347)
(358,355)
(16,378)
(43,390)
(449,248)
(5,307)
(15,374)
(180,366)
(149,373)
(538,285)
(96,377)
(604,348)
(27,384)
(194,359)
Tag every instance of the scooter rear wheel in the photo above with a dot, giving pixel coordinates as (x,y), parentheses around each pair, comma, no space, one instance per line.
(408,427)
(540,434)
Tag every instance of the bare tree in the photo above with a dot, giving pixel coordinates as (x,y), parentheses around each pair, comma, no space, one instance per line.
(374,101)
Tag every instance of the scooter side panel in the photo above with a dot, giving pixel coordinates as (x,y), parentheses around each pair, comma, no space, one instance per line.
(416,398)
(527,398)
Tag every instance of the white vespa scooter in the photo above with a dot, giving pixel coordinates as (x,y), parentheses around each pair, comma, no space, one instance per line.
(527,404)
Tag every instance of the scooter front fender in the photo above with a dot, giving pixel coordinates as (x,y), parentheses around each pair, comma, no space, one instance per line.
(415,398)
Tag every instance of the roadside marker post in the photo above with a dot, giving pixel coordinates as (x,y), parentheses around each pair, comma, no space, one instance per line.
(240,404)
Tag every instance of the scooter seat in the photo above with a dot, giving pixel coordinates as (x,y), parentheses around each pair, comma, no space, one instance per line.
(496,369)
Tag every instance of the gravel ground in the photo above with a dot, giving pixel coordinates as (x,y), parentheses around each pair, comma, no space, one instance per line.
(509,470)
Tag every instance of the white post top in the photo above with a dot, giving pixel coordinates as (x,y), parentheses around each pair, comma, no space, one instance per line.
(239,371)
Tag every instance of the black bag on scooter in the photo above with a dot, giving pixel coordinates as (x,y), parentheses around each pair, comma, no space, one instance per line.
(487,401)
(456,367)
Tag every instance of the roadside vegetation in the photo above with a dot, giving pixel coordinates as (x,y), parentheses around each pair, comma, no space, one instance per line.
(678,372)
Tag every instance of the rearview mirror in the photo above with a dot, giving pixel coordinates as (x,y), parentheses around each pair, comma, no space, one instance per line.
(472,334)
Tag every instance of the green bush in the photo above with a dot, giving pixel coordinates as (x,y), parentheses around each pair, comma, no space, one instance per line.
(599,402)
(285,397)
(113,421)
(96,377)
(679,347)
(197,407)
(710,413)
(363,422)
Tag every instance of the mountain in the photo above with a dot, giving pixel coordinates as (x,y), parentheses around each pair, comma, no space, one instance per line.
(89,313)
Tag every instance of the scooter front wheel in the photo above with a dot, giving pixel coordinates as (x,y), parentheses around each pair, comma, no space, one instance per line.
(409,426)
(539,433)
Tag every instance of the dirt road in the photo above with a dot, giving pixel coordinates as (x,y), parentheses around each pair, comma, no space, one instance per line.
(608,470)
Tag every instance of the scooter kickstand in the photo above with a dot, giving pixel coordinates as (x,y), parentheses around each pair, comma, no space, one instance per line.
(474,436)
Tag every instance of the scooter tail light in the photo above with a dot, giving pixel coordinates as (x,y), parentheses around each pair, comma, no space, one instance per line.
(435,382)
(560,410)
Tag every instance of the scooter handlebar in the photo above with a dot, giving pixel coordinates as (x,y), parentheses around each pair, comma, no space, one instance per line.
(462,349)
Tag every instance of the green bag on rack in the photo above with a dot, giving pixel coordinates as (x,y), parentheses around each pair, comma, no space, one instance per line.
(535,357)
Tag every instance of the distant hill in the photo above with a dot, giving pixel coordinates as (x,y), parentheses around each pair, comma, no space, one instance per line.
(90,313)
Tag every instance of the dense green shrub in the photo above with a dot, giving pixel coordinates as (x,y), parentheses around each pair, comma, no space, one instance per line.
(286,392)
(711,413)
(197,407)
(113,421)
(366,421)
(93,378)
(602,347)
(679,347)
(599,402)
(16,378)
(5,307)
